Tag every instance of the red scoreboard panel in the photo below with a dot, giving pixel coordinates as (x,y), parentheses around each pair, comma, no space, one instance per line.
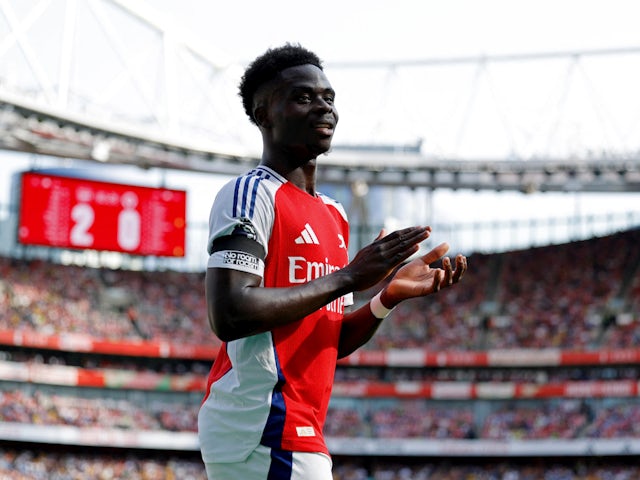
(77,213)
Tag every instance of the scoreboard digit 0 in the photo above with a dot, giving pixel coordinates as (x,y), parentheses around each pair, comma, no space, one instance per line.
(67,212)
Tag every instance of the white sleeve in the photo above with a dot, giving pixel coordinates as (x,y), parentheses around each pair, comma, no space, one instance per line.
(240,225)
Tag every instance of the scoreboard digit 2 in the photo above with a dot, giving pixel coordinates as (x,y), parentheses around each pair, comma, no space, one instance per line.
(66,212)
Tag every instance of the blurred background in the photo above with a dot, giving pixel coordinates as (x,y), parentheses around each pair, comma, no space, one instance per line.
(513,128)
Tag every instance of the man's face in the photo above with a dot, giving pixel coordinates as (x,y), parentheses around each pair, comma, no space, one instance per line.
(301,110)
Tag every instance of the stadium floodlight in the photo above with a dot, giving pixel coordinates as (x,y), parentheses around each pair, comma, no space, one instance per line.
(101,150)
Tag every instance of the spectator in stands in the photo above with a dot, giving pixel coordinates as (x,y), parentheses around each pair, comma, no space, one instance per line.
(278,280)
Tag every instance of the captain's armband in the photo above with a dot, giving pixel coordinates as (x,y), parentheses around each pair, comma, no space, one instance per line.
(238,253)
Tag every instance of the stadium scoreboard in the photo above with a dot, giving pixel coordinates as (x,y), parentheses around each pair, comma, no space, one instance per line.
(78,213)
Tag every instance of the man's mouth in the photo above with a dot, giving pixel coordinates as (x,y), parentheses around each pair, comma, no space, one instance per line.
(324,128)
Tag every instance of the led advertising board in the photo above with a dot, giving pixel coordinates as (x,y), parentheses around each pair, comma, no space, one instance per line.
(77,213)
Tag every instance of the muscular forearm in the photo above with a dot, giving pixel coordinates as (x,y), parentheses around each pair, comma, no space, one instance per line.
(247,308)
(357,329)
(239,306)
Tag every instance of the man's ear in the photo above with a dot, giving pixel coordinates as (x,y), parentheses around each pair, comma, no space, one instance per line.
(261,117)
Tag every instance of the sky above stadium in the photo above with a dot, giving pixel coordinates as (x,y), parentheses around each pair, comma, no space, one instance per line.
(403,30)
(466,110)
(357,30)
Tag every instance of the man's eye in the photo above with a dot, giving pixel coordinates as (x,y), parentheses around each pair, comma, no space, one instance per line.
(329,99)
(304,98)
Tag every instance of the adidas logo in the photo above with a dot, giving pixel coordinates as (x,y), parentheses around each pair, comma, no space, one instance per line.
(307,236)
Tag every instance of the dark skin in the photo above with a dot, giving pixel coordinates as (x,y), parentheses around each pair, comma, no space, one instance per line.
(297,117)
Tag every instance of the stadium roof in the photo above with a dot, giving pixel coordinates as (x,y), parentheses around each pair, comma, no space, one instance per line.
(38,130)
(162,100)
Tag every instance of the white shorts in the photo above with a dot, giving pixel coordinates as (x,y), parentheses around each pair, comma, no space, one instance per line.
(267,464)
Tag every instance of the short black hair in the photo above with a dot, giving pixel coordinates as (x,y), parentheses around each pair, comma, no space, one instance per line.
(268,65)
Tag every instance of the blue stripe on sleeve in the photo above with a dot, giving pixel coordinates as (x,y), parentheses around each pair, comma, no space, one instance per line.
(254,195)
(235,196)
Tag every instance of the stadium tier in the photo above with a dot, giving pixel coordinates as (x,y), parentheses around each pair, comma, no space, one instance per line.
(508,368)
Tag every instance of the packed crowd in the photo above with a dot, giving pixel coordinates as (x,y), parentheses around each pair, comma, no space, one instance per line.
(44,465)
(362,418)
(42,408)
(562,293)
(400,419)
(489,420)
(564,296)
(491,470)
(108,304)
(567,296)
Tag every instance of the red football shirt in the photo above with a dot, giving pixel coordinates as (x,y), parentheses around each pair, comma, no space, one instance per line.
(274,388)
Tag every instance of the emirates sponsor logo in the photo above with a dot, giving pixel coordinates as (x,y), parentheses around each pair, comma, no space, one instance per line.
(302,270)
